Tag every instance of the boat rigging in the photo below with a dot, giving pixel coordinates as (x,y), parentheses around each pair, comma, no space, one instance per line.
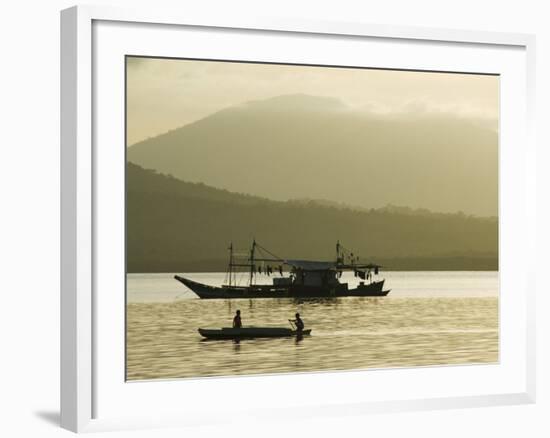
(306,279)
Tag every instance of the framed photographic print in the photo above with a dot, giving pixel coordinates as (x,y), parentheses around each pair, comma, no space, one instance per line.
(252,209)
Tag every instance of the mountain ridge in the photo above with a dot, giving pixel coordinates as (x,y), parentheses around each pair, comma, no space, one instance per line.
(281,151)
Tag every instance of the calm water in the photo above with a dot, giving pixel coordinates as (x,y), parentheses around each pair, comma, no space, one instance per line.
(429,318)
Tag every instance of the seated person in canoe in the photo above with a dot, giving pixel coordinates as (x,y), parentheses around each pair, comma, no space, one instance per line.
(237,323)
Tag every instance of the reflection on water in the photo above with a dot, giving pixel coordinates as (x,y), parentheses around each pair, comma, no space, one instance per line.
(457,325)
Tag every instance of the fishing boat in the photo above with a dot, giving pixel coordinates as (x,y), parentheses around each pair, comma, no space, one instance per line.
(305,279)
(251,332)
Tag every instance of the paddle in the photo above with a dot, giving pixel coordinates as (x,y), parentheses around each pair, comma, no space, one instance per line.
(292,324)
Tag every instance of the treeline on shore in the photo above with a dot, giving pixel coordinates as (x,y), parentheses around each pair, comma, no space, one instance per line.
(176,226)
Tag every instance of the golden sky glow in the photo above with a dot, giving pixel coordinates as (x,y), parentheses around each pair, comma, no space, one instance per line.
(164,94)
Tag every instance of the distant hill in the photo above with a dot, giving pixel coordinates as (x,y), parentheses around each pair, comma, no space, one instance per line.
(299,146)
(389,208)
(177,226)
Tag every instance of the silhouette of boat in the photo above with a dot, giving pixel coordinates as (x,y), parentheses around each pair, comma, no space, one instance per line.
(307,279)
(251,332)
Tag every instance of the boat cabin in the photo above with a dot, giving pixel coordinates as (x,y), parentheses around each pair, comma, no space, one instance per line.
(313,273)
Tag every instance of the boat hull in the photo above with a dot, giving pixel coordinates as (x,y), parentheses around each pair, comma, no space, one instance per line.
(204,291)
(251,332)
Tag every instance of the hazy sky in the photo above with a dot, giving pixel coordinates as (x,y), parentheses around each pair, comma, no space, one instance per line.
(165,94)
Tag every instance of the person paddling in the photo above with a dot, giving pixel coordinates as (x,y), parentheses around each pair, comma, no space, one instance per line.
(299,323)
(237,320)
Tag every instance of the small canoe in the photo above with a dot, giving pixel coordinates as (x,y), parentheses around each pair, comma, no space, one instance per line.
(250,332)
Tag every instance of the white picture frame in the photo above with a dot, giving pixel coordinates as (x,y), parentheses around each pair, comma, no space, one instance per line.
(86,375)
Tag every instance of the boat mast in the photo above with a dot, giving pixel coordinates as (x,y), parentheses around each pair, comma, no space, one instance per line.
(230,262)
(252,267)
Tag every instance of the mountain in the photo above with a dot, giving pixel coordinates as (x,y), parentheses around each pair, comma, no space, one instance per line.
(177,226)
(299,146)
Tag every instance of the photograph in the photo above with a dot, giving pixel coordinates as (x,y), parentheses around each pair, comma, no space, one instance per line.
(291,218)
